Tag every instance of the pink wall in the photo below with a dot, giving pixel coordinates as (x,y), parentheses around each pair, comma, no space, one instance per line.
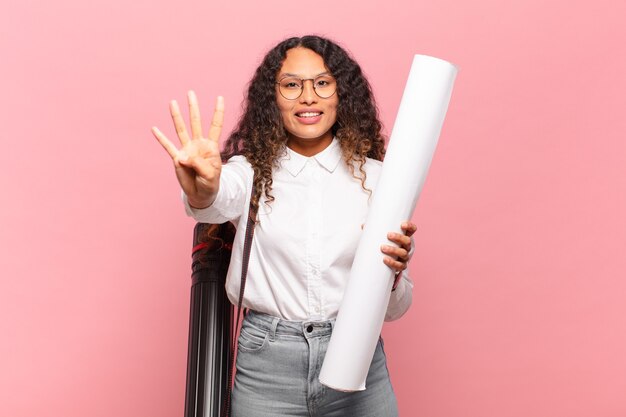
(519,269)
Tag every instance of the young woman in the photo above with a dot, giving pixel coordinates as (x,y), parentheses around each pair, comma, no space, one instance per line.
(307,153)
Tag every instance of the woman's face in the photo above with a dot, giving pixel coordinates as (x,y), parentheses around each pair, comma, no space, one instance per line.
(308,119)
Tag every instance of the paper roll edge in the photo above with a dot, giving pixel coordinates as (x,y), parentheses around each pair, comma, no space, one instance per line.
(434,58)
(361,388)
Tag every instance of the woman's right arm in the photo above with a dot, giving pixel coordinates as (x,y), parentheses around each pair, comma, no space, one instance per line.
(232,197)
(198,163)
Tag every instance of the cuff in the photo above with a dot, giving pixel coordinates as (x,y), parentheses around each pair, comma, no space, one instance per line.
(211,214)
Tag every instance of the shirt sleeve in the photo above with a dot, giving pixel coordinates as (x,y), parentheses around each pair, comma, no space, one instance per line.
(401,298)
(232,196)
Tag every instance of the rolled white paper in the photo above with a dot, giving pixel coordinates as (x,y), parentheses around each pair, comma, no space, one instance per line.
(409,153)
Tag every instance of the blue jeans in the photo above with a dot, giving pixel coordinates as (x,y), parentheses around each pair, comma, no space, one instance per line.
(278,366)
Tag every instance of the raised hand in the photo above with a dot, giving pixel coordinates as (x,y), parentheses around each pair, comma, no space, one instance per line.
(197,163)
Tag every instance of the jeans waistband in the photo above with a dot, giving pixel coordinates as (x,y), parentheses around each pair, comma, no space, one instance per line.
(281,327)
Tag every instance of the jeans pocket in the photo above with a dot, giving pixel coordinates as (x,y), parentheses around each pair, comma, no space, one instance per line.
(252,339)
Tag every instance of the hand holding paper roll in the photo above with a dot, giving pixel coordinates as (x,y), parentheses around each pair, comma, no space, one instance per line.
(398,255)
(410,151)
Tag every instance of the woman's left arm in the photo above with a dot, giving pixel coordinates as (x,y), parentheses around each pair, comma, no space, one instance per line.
(398,259)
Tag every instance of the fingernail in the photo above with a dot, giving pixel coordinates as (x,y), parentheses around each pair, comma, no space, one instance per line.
(182,156)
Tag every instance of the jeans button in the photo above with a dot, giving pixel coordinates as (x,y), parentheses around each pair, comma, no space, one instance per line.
(309,328)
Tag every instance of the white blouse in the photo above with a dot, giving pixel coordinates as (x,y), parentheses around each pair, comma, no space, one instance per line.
(305,240)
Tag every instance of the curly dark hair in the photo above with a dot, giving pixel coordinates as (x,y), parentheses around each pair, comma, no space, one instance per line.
(260,134)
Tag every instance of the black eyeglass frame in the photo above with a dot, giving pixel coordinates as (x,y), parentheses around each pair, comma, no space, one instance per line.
(302,87)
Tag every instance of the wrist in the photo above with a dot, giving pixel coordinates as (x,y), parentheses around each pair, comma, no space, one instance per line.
(199,204)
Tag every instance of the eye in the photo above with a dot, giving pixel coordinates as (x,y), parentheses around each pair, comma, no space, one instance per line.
(291,84)
(324,82)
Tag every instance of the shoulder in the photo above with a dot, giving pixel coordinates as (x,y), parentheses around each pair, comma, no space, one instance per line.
(373,167)
(239,163)
(239,160)
(237,169)
(376,164)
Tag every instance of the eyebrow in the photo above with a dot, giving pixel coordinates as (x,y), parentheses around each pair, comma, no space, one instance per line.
(288,74)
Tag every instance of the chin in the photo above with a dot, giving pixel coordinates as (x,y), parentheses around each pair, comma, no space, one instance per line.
(313,137)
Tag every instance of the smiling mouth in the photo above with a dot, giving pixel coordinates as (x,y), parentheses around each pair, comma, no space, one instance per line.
(308,114)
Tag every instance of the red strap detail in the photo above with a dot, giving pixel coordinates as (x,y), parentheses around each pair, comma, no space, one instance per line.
(199,246)
(203,245)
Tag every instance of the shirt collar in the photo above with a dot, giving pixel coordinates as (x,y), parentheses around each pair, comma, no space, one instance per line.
(329,158)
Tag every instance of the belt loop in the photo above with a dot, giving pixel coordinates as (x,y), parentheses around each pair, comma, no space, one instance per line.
(273,327)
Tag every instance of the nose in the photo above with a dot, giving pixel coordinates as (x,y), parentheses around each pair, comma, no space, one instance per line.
(308,95)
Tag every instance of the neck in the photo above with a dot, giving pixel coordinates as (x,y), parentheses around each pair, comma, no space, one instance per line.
(309,147)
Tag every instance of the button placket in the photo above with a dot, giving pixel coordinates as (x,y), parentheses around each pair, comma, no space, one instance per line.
(310,227)
(315,217)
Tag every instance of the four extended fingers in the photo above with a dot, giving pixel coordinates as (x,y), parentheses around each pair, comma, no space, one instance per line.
(196,124)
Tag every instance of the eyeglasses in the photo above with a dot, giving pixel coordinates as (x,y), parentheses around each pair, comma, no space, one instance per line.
(291,87)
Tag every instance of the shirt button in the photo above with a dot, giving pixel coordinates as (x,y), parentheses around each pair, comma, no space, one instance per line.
(309,329)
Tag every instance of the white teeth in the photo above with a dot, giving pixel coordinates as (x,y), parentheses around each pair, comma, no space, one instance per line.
(308,114)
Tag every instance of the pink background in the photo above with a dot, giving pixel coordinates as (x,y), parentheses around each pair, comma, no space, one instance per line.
(519,267)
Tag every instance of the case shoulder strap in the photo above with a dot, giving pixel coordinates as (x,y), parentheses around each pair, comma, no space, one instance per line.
(252,212)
